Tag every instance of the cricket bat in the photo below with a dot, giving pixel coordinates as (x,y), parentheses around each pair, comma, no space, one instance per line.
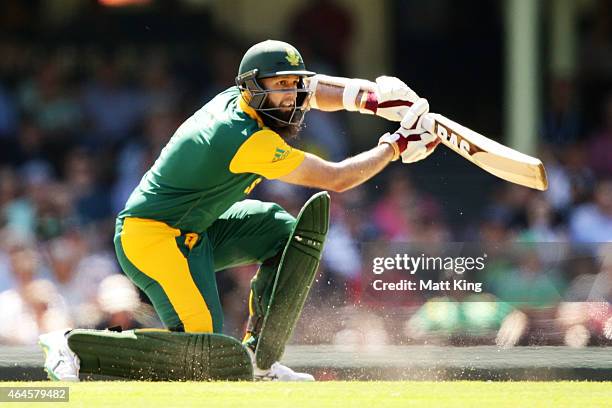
(497,159)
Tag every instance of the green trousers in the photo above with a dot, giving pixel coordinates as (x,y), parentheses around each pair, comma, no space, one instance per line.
(176,269)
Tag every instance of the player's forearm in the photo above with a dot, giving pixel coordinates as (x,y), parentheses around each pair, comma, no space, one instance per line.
(319,173)
(327,98)
(337,93)
(358,169)
(330,98)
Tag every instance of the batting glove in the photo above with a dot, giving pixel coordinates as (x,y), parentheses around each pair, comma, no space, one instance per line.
(411,142)
(391,99)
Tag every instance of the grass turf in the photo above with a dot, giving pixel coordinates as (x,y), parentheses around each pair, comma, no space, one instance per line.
(333,394)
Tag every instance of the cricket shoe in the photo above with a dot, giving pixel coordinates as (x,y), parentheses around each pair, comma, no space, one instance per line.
(277,372)
(61,364)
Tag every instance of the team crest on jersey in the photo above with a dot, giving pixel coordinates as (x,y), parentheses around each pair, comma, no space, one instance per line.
(280,154)
(292,57)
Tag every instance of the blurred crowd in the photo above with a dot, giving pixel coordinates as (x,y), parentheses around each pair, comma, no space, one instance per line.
(80,125)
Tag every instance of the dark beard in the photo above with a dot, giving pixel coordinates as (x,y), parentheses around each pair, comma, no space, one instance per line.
(286,131)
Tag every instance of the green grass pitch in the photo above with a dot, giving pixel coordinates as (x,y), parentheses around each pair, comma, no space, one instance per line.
(333,394)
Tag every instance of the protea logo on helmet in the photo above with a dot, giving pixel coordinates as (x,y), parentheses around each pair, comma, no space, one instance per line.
(293,57)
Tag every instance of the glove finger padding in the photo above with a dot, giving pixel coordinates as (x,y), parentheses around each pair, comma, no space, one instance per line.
(413,117)
(392,88)
(390,99)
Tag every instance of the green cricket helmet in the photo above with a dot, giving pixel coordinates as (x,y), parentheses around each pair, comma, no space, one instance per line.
(268,59)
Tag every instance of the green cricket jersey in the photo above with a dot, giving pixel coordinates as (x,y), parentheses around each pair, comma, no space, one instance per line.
(214,159)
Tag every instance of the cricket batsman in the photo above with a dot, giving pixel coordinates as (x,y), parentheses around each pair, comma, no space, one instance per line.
(190,216)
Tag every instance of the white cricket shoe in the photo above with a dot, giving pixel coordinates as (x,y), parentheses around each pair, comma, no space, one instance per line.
(279,372)
(61,364)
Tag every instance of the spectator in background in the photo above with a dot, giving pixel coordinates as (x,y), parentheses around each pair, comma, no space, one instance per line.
(541,222)
(458,320)
(341,256)
(324,135)
(561,124)
(218,60)
(559,193)
(91,201)
(513,200)
(22,264)
(543,231)
(64,254)
(31,148)
(53,203)
(160,88)
(16,211)
(26,313)
(496,237)
(529,282)
(8,114)
(396,213)
(433,230)
(138,155)
(77,272)
(491,227)
(6,280)
(586,314)
(327,27)
(119,303)
(534,288)
(112,108)
(31,304)
(51,102)
(600,145)
(596,51)
(592,222)
(580,174)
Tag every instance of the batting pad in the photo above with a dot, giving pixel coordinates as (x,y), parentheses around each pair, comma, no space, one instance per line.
(159,355)
(294,277)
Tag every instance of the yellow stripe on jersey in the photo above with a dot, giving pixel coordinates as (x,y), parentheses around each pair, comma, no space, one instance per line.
(267,154)
(151,247)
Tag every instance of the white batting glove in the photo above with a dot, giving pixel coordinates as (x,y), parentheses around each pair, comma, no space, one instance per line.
(411,142)
(391,99)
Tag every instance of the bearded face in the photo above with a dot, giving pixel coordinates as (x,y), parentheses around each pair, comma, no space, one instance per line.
(277,119)
(279,111)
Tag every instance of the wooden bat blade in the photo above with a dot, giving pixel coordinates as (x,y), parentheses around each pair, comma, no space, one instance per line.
(495,158)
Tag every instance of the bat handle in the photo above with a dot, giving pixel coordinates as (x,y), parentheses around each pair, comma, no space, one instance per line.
(429,122)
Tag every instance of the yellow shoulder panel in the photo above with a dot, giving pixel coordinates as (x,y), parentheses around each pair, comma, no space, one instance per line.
(267,154)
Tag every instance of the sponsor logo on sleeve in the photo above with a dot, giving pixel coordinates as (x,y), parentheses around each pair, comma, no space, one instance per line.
(280,154)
